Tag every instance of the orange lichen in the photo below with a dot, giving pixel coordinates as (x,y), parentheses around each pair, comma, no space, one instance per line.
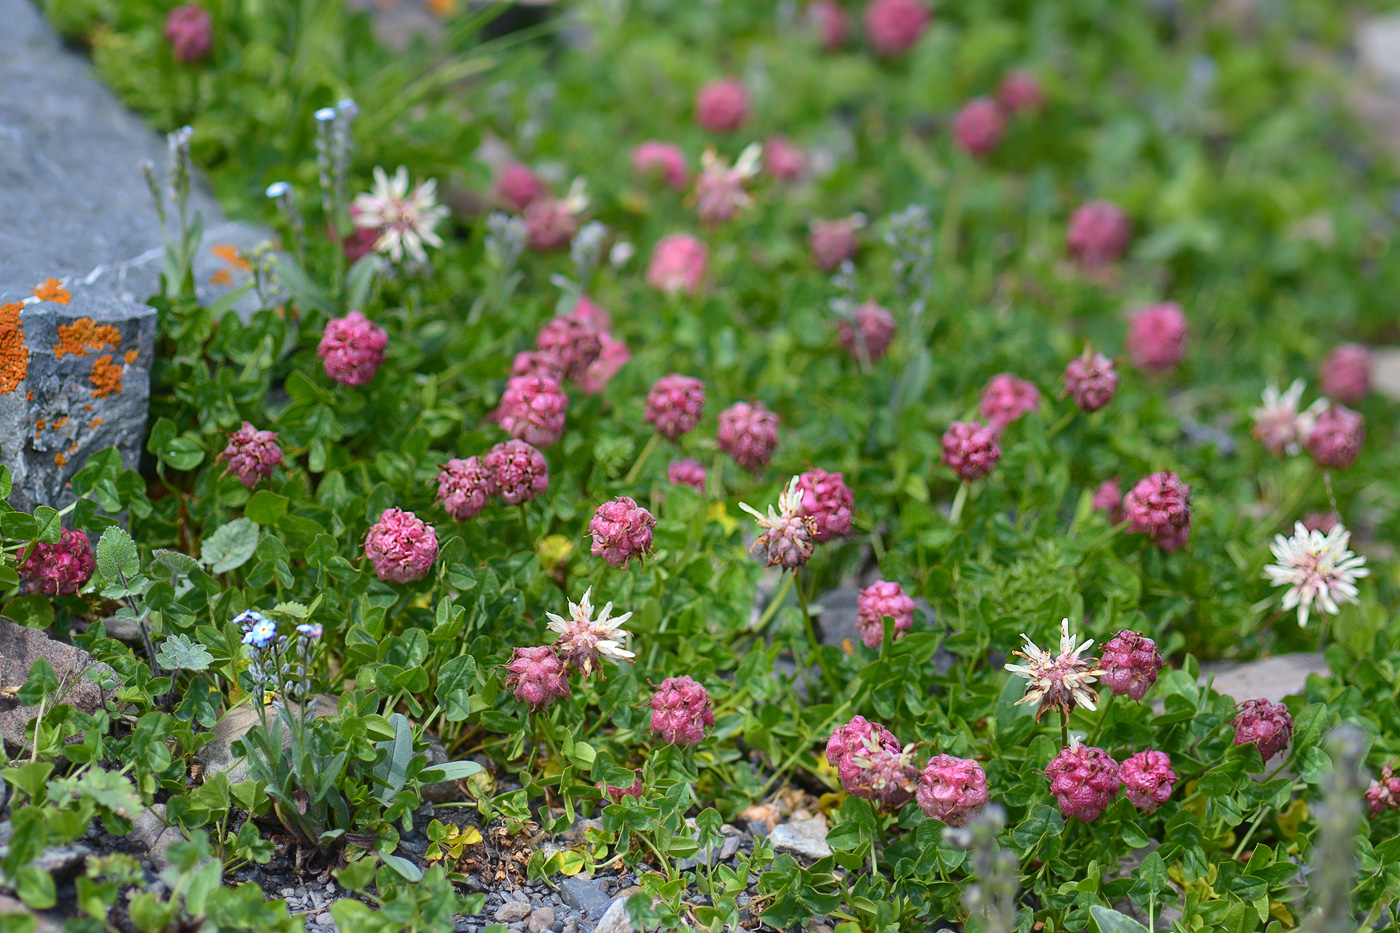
(72,446)
(229,254)
(14,353)
(130,357)
(29,396)
(85,334)
(87,406)
(106,378)
(221,277)
(92,425)
(53,290)
(60,458)
(39,426)
(60,421)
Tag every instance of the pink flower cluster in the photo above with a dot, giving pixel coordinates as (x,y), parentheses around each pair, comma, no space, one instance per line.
(61,568)
(351,349)
(748,432)
(782,161)
(190,31)
(621,530)
(1098,233)
(1020,91)
(538,676)
(722,106)
(1267,724)
(1109,498)
(1346,373)
(1130,664)
(1157,337)
(872,764)
(1091,380)
(464,488)
(680,711)
(533,409)
(979,126)
(1159,506)
(550,223)
(874,328)
(1147,779)
(576,346)
(1336,437)
(518,187)
(1084,781)
(401,546)
(678,264)
(251,454)
(674,405)
(970,449)
(894,26)
(1007,398)
(832,242)
(518,470)
(828,501)
(661,160)
(687,472)
(828,19)
(878,601)
(951,789)
(1384,793)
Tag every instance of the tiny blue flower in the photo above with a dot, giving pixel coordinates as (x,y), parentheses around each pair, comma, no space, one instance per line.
(258,629)
(310,630)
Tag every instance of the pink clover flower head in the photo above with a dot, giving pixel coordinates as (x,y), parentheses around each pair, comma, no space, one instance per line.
(894,26)
(1159,506)
(874,326)
(612,357)
(832,242)
(464,487)
(782,160)
(1007,398)
(401,546)
(1157,337)
(871,763)
(722,106)
(573,342)
(1108,497)
(951,789)
(190,31)
(828,19)
(621,530)
(1346,373)
(1336,437)
(533,410)
(534,363)
(1267,724)
(720,191)
(550,224)
(1130,664)
(518,186)
(1280,424)
(1384,793)
(748,432)
(661,160)
(678,264)
(674,405)
(1091,380)
(1098,233)
(617,793)
(61,568)
(538,676)
(1084,781)
(1020,91)
(518,471)
(352,348)
(1322,522)
(251,454)
(584,641)
(970,449)
(592,313)
(877,601)
(788,534)
(979,127)
(687,472)
(828,501)
(680,711)
(1147,779)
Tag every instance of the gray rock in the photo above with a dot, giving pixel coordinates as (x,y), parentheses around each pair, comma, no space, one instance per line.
(806,838)
(511,911)
(1267,678)
(541,920)
(62,862)
(1378,48)
(13,909)
(1385,371)
(615,919)
(217,756)
(150,830)
(712,854)
(78,675)
(584,895)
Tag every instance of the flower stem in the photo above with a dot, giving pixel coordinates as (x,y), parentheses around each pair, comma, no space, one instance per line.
(771,609)
(1064,729)
(631,476)
(958,502)
(1103,717)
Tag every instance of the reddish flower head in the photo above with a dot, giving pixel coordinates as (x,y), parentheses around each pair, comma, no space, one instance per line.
(518,186)
(1267,724)
(573,342)
(952,789)
(1109,498)
(674,404)
(1147,779)
(832,242)
(1321,521)
(722,106)
(59,569)
(1098,233)
(661,160)
(351,348)
(782,160)
(1336,437)
(1020,90)
(1157,337)
(687,472)
(827,500)
(1084,781)
(1346,373)
(532,363)
(875,327)
(970,449)
(1383,794)
(401,546)
(680,711)
(877,601)
(611,358)
(464,486)
(550,223)
(749,434)
(538,676)
(533,410)
(1006,398)
(1091,380)
(979,126)
(621,530)
(251,454)
(678,264)
(1159,506)
(359,242)
(871,763)
(894,26)
(1130,663)
(190,31)
(518,471)
(829,20)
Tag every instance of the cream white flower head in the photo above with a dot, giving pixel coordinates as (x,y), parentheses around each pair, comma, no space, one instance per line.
(1318,570)
(1059,681)
(406,220)
(583,640)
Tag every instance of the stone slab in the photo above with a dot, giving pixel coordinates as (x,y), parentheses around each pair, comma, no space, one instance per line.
(20,647)
(1267,678)
(1378,48)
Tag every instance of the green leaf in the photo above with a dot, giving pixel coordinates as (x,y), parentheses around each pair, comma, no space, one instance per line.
(174,561)
(230,547)
(265,507)
(116,554)
(34,611)
(448,771)
(42,681)
(1111,921)
(182,653)
(1314,765)
(402,866)
(50,526)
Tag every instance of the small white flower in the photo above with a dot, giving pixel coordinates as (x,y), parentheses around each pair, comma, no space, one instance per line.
(1316,568)
(583,640)
(1060,681)
(405,221)
(787,533)
(1279,424)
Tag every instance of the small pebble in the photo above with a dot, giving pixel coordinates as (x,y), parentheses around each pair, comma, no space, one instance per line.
(511,911)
